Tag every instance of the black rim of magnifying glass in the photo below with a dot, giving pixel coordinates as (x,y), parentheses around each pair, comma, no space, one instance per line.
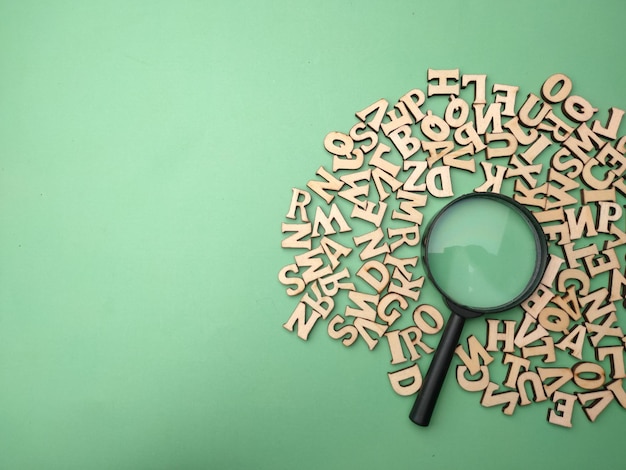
(540,260)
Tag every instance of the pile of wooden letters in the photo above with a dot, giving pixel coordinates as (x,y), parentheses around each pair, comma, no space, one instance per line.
(552,151)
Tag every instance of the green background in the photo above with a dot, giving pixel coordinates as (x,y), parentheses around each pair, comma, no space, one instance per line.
(147,155)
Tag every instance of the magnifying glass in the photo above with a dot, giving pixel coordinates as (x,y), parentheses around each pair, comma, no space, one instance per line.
(485,253)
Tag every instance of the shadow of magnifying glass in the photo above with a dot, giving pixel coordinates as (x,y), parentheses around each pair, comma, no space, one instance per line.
(484,253)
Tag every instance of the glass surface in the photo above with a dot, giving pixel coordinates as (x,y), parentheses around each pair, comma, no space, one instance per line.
(481,252)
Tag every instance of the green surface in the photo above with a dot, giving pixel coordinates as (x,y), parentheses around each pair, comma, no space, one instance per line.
(482,253)
(147,156)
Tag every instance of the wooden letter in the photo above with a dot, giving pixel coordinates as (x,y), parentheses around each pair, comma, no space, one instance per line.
(395,121)
(379,283)
(367,213)
(536,386)
(576,274)
(363,302)
(564,162)
(349,330)
(599,306)
(379,176)
(590,179)
(321,307)
(554,265)
(372,239)
(330,284)
(607,212)
(477,385)
(508,99)
(457,112)
(508,399)
(361,136)
(378,161)
(378,108)
(537,301)
(494,152)
(407,287)
(363,325)
(476,352)
(558,128)
(406,381)
(561,194)
(616,359)
(523,337)
(298,317)
(406,144)
(606,261)
(444,188)
(395,347)
(298,283)
(595,195)
(618,286)
(559,80)
(588,368)
(299,200)
(578,109)
(582,141)
(494,336)
(561,415)
(610,130)
(524,112)
(570,303)
(409,236)
(413,100)
(617,388)
(341,147)
(409,203)
(322,304)
(604,329)
(491,118)
(546,350)
(492,181)
(412,337)
(520,134)
(529,196)
(574,255)
(401,264)
(516,364)
(443,77)
(466,135)
(554,319)
(599,401)
(434,128)
(355,191)
(517,168)
(385,302)
(584,221)
(326,221)
(554,378)
(411,181)
(316,267)
(334,250)
(435,317)
(321,188)
(479,82)
(573,342)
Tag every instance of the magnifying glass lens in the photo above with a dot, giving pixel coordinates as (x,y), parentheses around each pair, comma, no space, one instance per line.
(481,253)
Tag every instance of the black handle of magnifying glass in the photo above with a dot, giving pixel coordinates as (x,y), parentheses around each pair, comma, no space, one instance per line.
(427,397)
